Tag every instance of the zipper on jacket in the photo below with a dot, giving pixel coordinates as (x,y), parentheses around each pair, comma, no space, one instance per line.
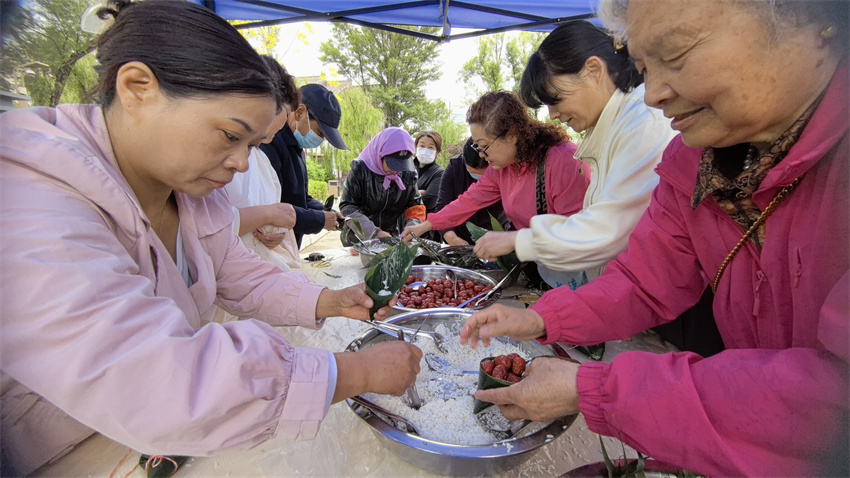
(798,271)
(757,298)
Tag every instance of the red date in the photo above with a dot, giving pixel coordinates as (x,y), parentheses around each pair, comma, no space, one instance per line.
(487,366)
(500,372)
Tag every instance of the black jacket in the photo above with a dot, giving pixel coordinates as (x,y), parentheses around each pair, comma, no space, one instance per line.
(456,180)
(430,176)
(364,193)
(287,159)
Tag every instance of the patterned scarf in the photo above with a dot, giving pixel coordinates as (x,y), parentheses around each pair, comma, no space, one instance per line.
(735,195)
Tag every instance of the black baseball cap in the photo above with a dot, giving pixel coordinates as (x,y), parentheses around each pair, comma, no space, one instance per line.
(324,108)
(400,161)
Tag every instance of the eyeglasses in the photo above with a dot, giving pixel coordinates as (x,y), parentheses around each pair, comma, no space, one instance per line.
(483,151)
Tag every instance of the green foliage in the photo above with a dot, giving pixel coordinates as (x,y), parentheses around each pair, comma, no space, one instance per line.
(263,39)
(392,68)
(360,122)
(82,82)
(317,170)
(501,60)
(317,189)
(48,33)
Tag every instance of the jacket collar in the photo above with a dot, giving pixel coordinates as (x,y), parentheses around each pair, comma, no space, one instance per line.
(593,144)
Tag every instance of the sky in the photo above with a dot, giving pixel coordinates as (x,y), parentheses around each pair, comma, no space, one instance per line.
(298,50)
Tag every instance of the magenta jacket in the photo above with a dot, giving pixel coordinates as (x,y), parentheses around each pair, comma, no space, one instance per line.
(566,183)
(773,403)
(99,331)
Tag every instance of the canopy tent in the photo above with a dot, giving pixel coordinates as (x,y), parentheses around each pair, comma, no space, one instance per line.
(484,16)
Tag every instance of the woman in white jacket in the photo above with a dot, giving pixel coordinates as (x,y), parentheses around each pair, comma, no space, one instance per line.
(591,86)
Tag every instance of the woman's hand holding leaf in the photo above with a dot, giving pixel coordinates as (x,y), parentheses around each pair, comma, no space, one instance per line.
(352,302)
(493,245)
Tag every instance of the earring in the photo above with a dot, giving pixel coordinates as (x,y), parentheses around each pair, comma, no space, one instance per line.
(828,33)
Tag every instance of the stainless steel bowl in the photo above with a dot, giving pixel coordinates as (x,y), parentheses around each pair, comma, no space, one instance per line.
(450,459)
(371,248)
(426,273)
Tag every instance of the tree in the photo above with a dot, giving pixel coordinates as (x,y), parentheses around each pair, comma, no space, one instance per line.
(360,122)
(48,32)
(263,39)
(501,60)
(392,68)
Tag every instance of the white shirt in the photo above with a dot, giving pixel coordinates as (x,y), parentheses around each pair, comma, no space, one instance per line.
(622,151)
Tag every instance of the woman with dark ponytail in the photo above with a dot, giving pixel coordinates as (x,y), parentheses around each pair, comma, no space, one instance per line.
(116,239)
(591,85)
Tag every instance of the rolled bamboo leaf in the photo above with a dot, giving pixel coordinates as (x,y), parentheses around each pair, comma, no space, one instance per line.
(506,262)
(388,274)
(594,352)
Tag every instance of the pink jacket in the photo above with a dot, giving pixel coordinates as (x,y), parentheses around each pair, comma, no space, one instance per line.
(97,321)
(566,183)
(773,403)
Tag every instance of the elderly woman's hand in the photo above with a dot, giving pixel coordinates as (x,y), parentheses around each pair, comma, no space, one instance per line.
(493,245)
(351,302)
(419,229)
(498,321)
(547,392)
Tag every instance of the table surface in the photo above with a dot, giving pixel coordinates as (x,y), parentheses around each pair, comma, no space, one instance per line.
(345,444)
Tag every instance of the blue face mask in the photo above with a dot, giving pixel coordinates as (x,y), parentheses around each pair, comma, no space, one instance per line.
(475,176)
(311,140)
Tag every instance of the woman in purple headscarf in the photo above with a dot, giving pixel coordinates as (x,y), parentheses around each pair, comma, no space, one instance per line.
(380,190)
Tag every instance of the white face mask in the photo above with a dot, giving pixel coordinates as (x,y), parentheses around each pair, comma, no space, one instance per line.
(425,155)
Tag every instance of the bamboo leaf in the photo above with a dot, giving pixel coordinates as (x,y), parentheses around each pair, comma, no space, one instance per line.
(608,465)
(506,262)
(388,274)
(594,352)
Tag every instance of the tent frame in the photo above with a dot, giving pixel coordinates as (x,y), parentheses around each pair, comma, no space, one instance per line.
(305,15)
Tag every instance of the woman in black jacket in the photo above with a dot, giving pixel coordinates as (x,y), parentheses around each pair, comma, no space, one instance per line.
(380,191)
(429,145)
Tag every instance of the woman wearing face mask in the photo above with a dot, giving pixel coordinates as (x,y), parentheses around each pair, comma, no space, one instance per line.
(313,121)
(428,144)
(532,169)
(463,171)
(752,201)
(380,190)
(116,238)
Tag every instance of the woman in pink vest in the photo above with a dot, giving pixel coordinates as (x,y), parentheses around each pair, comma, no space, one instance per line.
(116,238)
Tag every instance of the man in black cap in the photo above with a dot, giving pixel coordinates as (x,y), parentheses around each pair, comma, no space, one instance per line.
(315,120)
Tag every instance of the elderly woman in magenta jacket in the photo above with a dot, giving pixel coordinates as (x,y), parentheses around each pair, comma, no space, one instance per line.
(762,160)
(531,167)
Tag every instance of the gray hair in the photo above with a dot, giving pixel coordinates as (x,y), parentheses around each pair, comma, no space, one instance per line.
(778,16)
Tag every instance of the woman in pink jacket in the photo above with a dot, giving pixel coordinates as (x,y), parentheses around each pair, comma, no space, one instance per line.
(115,238)
(531,168)
(759,93)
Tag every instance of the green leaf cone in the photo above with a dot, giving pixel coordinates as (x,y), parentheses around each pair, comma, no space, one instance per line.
(389,271)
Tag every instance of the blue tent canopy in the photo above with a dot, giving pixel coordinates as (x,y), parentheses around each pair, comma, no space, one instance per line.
(484,16)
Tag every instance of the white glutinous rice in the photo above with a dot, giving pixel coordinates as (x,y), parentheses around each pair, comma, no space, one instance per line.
(448,420)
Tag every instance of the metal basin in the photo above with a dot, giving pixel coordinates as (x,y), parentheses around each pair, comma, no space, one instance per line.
(451,459)
(371,248)
(426,273)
